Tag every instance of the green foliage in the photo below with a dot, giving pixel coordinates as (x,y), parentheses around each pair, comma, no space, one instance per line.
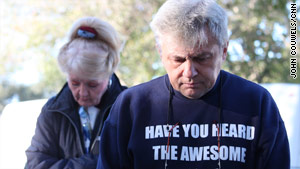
(11,92)
(265,51)
(34,30)
(139,60)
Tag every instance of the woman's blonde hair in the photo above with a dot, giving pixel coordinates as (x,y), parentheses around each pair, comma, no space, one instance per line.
(94,58)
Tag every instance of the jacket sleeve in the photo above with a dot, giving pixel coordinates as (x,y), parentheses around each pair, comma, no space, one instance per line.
(43,152)
(115,135)
(273,146)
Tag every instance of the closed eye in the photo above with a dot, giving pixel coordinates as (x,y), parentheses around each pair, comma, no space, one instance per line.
(93,85)
(202,57)
(75,83)
(179,59)
(197,59)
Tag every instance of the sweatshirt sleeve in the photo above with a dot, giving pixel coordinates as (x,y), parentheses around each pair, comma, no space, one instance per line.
(273,146)
(44,150)
(115,137)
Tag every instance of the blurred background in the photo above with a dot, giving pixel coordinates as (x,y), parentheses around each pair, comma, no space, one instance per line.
(32,32)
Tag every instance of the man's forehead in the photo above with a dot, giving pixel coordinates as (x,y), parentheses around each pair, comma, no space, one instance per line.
(176,41)
(181,50)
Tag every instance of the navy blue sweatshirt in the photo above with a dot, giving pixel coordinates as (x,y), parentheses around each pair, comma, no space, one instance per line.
(144,131)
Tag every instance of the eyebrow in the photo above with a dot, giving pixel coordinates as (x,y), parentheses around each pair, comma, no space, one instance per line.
(94,82)
(176,56)
(202,54)
(198,55)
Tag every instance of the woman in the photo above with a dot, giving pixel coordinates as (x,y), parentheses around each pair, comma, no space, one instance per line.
(68,129)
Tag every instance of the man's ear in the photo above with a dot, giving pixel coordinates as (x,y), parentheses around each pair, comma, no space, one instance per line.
(224,52)
(158,48)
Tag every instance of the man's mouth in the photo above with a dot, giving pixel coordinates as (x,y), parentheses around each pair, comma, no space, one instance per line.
(191,85)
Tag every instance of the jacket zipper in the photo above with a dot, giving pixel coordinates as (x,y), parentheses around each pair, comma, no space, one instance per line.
(76,130)
(100,128)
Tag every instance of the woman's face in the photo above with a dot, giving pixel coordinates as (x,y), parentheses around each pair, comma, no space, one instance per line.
(87,92)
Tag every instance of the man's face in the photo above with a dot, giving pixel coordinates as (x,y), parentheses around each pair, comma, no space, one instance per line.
(86,92)
(192,71)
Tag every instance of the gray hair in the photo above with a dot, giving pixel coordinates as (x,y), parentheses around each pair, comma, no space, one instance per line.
(189,20)
(95,58)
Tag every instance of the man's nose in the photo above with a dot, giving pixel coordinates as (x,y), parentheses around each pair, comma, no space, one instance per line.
(189,69)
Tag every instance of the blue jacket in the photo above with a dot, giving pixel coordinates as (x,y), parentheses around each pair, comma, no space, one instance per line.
(240,113)
(58,141)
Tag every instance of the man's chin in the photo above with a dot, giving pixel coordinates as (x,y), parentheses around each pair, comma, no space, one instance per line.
(192,94)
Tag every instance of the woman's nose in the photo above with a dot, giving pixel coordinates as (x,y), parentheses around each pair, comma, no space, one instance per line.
(83,91)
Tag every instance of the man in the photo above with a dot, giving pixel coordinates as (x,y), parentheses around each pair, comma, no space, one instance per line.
(196,116)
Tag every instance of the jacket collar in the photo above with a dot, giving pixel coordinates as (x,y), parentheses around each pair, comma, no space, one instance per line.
(65,103)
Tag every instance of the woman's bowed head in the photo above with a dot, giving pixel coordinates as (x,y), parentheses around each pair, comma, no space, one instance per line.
(89,59)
